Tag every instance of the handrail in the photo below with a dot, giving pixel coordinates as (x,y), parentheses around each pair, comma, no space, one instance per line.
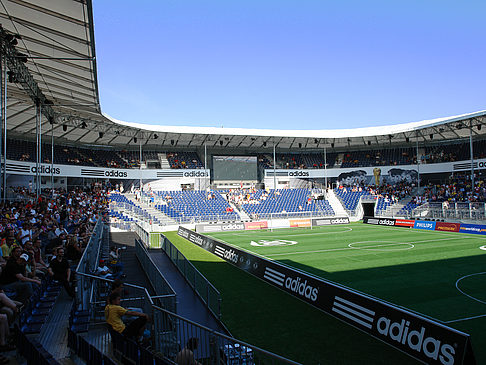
(177,257)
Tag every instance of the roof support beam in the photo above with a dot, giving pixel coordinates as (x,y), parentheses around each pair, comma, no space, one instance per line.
(23,76)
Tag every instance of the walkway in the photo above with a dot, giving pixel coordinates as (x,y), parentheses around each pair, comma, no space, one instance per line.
(189,305)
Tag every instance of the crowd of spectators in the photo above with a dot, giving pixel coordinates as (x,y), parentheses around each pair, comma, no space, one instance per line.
(41,238)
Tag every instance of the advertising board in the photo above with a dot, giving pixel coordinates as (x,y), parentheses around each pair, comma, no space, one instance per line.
(447,227)
(256,225)
(220,227)
(302,222)
(418,336)
(329,221)
(472,228)
(379,221)
(427,225)
(405,222)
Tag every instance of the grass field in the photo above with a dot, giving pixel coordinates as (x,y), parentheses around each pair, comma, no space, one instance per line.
(412,268)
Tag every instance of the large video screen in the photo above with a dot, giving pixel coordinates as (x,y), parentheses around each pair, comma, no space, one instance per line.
(240,168)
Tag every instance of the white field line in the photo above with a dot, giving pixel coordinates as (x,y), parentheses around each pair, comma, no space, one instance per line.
(465,319)
(350,248)
(276,234)
(467,295)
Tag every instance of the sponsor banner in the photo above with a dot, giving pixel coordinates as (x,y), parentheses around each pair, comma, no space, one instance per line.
(472,228)
(329,221)
(305,222)
(379,221)
(219,227)
(29,168)
(256,225)
(405,222)
(448,227)
(420,337)
(430,226)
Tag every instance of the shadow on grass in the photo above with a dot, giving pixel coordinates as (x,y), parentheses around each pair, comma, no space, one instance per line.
(267,317)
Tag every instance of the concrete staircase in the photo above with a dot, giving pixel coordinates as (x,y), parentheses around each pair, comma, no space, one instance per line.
(163,218)
(336,204)
(243,215)
(164,162)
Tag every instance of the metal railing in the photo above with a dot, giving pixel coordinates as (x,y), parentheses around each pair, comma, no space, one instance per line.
(88,262)
(160,285)
(174,332)
(451,211)
(170,332)
(205,290)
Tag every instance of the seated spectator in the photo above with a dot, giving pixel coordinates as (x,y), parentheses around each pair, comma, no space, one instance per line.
(115,264)
(59,270)
(9,307)
(114,313)
(14,276)
(186,355)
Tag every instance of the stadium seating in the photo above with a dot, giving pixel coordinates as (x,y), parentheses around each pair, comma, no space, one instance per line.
(184,160)
(185,206)
(350,198)
(285,200)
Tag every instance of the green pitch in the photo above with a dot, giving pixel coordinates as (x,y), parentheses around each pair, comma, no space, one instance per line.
(413,268)
(438,274)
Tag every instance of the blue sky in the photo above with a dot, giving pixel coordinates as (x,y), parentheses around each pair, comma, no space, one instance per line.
(289,64)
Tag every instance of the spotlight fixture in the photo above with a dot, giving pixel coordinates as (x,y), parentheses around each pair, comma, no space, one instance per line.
(316,141)
(12,78)
(134,139)
(264,144)
(407,139)
(12,39)
(64,127)
(479,127)
(172,142)
(332,145)
(220,143)
(369,143)
(431,136)
(156,136)
(21,57)
(83,125)
(300,145)
(101,134)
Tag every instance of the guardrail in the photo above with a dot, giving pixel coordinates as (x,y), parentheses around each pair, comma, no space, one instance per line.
(170,332)
(88,262)
(160,285)
(206,291)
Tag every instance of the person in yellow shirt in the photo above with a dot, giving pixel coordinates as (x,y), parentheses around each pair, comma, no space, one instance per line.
(114,313)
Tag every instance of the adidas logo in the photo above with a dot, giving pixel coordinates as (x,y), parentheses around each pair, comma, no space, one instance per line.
(228,255)
(416,340)
(295,285)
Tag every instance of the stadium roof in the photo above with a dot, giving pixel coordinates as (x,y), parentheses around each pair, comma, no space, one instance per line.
(57,36)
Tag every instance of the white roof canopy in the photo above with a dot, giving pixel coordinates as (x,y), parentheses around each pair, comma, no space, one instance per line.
(57,36)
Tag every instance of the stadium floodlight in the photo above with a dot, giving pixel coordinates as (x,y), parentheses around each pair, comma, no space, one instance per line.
(220,143)
(369,143)
(172,142)
(479,127)
(316,141)
(101,134)
(156,136)
(407,139)
(264,144)
(134,139)
(83,125)
(332,145)
(64,127)
(431,136)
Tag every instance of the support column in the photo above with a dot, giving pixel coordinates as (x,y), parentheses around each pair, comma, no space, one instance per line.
(52,158)
(274,169)
(4,115)
(325,168)
(472,156)
(418,162)
(2,63)
(141,177)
